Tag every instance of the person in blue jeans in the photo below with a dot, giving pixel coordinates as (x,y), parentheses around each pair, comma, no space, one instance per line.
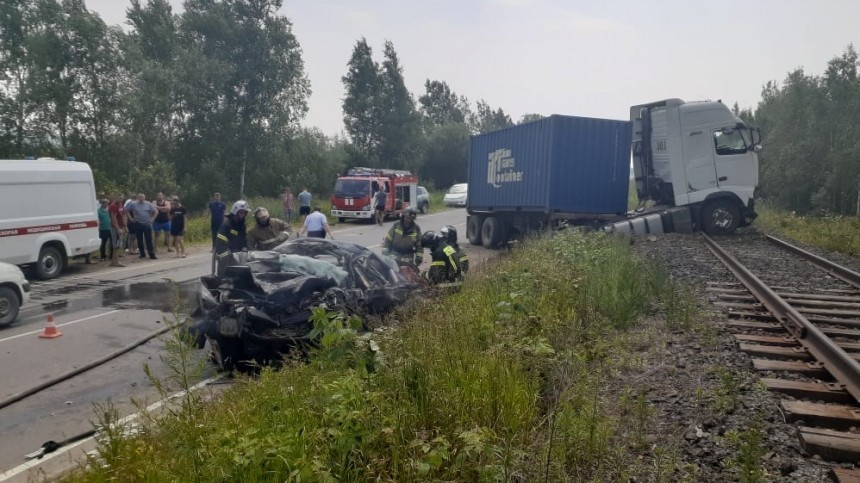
(143,214)
(216,210)
(162,221)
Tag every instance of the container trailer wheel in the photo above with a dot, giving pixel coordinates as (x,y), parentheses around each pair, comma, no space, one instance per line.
(720,217)
(473,229)
(493,232)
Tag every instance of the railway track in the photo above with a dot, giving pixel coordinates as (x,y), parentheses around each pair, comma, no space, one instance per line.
(803,335)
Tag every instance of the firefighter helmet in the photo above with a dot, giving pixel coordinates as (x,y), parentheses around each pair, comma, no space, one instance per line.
(449,233)
(240,205)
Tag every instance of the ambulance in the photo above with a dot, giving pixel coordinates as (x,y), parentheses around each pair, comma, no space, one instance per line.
(48,213)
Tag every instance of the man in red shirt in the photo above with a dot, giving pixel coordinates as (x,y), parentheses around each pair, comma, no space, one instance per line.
(118,230)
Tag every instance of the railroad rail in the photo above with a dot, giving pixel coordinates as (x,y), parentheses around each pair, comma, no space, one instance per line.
(808,340)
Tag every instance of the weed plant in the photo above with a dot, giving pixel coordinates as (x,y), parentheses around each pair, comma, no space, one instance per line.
(748,451)
(831,232)
(504,380)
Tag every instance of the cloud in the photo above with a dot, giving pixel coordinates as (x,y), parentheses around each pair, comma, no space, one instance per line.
(510,3)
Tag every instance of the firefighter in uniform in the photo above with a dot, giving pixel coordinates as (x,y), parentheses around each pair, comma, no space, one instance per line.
(403,241)
(450,235)
(445,266)
(267,233)
(231,236)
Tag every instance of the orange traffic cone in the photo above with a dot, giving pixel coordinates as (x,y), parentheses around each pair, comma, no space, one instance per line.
(50,331)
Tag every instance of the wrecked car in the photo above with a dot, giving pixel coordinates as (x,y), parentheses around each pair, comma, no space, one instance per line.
(260,308)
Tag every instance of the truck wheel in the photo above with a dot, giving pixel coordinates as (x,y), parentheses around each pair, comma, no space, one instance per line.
(9,305)
(341,219)
(50,263)
(720,217)
(473,230)
(492,232)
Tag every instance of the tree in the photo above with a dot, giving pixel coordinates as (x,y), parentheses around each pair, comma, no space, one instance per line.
(440,105)
(18,132)
(400,132)
(379,112)
(243,82)
(530,117)
(151,103)
(486,119)
(811,136)
(361,110)
(446,155)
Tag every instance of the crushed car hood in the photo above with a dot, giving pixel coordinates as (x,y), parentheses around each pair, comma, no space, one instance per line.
(297,274)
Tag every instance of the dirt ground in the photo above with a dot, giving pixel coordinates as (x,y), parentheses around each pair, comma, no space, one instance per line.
(703,387)
(79,266)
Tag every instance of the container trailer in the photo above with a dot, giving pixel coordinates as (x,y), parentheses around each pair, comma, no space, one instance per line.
(695,166)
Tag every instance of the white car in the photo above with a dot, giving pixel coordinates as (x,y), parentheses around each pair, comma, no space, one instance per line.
(457,195)
(14,292)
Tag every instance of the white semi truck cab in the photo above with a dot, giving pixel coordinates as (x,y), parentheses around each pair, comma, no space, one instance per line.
(697,155)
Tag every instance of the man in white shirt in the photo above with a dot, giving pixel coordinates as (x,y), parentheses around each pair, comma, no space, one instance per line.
(316,225)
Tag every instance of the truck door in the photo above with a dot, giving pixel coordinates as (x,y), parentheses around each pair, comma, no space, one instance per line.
(734,163)
(699,161)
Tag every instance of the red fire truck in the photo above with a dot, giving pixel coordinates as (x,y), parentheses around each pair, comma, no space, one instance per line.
(353,194)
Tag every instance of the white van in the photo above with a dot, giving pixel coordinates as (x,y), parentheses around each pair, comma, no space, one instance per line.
(47,213)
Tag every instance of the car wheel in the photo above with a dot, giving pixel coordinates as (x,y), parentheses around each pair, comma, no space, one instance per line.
(9,305)
(50,263)
(424,208)
(720,217)
(473,230)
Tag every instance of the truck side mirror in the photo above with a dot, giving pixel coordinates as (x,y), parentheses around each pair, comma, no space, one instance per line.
(755,137)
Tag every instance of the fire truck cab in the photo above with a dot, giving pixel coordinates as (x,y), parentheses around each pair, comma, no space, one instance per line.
(353,194)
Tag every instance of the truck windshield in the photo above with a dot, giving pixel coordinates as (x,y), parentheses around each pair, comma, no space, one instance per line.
(353,188)
(730,141)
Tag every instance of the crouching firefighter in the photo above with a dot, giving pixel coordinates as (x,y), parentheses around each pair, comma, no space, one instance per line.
(445,266)
(267,233)
(231,236)
(403,241)
(450,234)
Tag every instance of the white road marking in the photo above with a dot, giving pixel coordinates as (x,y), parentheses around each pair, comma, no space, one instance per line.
(152,407)
(62,325)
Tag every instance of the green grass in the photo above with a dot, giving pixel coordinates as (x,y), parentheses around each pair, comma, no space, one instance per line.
(505,380)
(836,233)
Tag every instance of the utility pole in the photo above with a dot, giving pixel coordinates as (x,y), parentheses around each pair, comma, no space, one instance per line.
(242,181)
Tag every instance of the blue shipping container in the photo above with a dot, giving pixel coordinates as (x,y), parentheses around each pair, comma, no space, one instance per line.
(559,164)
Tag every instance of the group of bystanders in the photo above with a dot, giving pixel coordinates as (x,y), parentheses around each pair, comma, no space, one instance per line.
(128,226)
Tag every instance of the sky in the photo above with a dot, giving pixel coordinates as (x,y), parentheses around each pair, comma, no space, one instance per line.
(582,58)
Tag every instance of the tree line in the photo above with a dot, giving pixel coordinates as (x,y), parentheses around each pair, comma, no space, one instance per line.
(811,135)
(211,99)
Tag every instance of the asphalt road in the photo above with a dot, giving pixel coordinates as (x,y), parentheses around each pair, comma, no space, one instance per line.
(98,313)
